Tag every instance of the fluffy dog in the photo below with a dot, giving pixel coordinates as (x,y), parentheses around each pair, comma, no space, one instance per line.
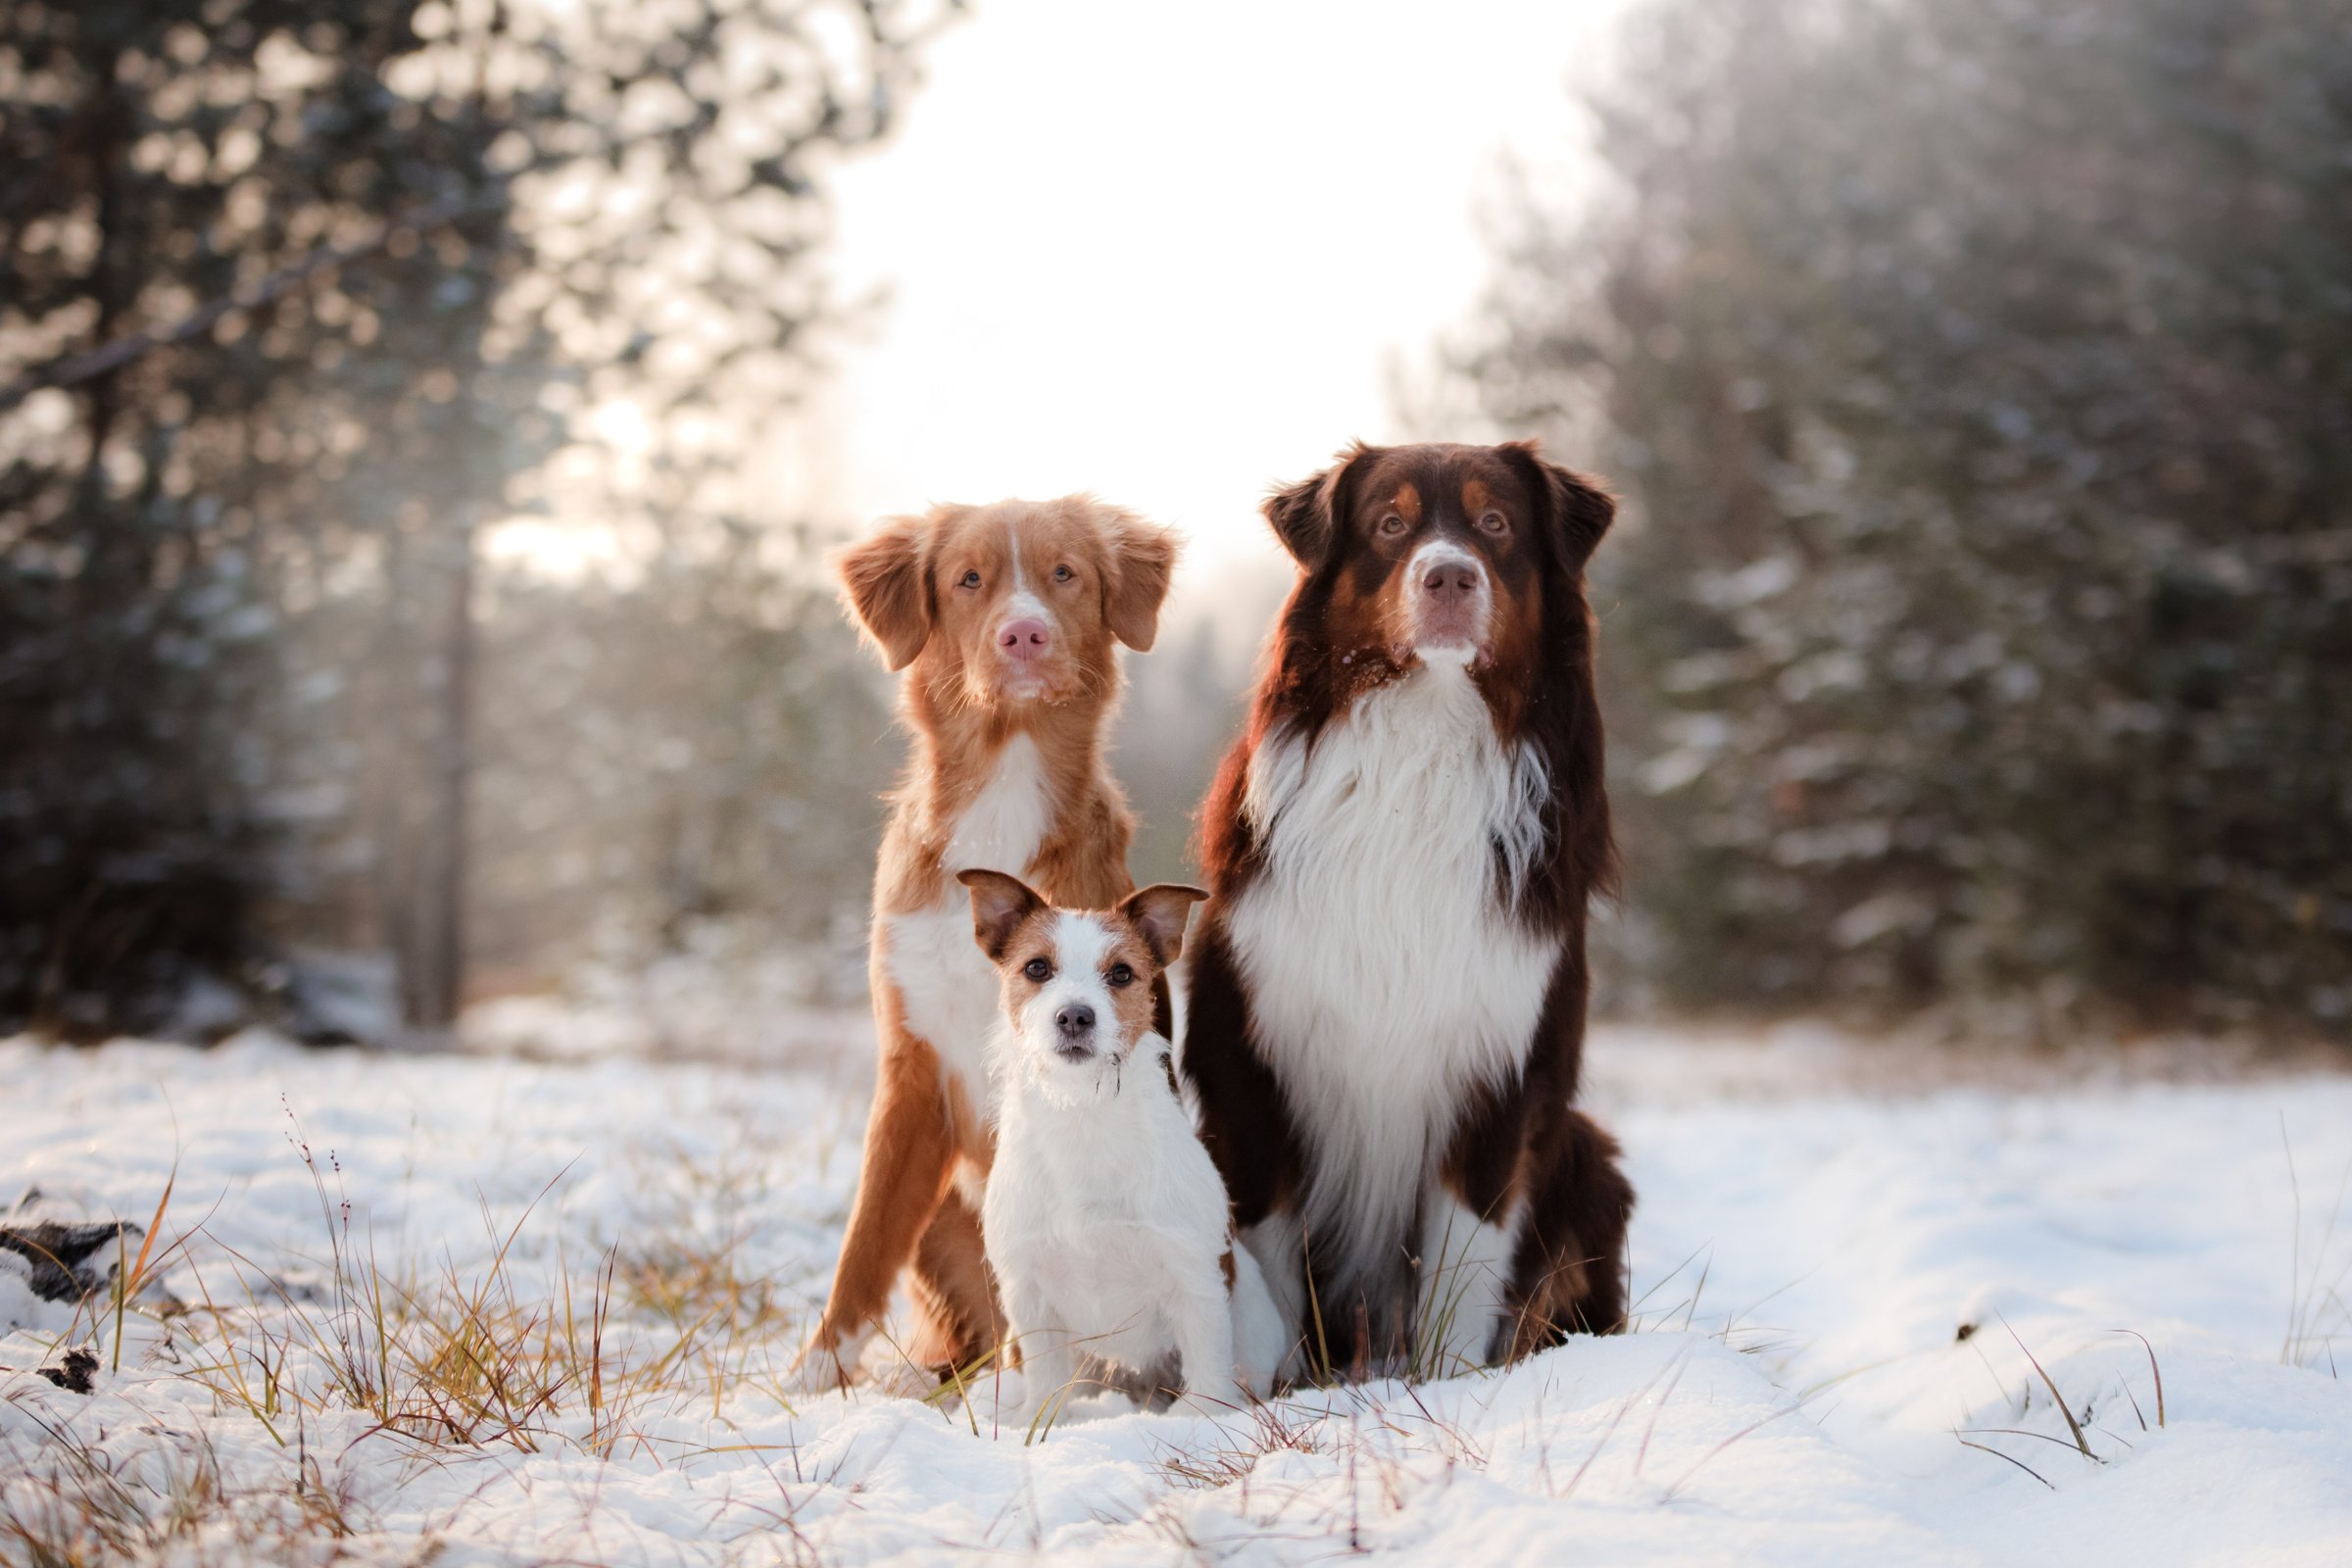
(1104,1220)
(1003,618)
(1387,1007)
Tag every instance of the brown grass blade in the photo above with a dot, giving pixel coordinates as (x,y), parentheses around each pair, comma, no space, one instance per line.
(2072,1424)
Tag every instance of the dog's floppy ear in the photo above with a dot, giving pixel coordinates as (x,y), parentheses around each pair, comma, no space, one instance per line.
(999,903)
(1306,516)
(1579,511)
(1160,914)
(1137,560)
(886,582)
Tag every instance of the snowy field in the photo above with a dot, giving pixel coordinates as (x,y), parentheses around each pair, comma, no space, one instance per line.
(480,1309)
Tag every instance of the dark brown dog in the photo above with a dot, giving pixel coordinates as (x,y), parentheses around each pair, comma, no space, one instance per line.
(1389,988)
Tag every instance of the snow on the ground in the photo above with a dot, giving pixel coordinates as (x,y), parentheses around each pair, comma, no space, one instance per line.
(1837,1280)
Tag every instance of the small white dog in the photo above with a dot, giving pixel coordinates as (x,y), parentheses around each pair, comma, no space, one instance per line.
(1107,1226)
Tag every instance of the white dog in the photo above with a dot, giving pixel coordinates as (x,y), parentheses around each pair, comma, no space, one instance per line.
(1107,1224)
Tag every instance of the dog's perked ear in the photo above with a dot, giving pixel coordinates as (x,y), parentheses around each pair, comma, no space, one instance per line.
(886,582)
(1141,558)
(1306,516)
(1159,914)
(999,903)
(1579,511)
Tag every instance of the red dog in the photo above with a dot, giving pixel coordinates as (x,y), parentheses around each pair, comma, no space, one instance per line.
(1387,990)
(1002,617)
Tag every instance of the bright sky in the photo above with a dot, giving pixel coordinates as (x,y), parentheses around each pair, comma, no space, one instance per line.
(1166,252)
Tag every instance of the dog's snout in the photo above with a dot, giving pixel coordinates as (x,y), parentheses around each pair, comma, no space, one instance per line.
(1025,638)
(1450,581)
(1075,1020)
(1450,598)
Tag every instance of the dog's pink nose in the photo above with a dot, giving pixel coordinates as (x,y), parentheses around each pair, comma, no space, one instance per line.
(1451,580)
(1025,638)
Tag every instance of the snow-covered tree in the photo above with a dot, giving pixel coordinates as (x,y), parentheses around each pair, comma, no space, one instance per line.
(1980,374)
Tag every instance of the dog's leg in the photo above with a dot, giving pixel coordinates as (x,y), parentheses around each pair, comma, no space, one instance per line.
(1048,1364)
(954,1293)
(1568,1276)
(1465,1276)
(909,1150)
(1203,1317)
(1263,1339)
(1279,1245)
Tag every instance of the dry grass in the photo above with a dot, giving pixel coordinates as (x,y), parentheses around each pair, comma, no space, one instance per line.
(2319,1311)
(447,1364)
(71,1502)
(2077,1428)
(471,1357)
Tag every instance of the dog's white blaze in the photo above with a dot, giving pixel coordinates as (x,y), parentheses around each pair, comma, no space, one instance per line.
(946,984)
(1079,943)
(1465,1271)
(1024,600)
(1387,977)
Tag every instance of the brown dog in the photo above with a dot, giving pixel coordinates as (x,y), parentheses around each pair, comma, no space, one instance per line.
(1003,618)
(1388,989)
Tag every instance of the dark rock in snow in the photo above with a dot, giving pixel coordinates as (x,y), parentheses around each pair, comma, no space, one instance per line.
(76,1376)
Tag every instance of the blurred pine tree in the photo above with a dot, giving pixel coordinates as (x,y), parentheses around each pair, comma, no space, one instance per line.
(1981,376)
(297,299)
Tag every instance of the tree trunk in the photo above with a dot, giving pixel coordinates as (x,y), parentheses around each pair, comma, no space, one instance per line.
(433,962)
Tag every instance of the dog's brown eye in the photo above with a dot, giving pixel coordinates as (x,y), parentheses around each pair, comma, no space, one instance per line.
(1391,523)
(1120,975)
(970,579)
(1063,574)
(1039,970)
(1494,522)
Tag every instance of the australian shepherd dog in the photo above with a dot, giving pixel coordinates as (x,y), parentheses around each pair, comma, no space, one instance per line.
(1387,990)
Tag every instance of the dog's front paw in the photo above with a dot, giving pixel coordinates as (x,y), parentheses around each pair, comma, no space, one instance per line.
(1222,1397)
(825,1365)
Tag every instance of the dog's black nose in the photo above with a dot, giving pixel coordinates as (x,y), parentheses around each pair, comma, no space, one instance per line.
(1075,1019)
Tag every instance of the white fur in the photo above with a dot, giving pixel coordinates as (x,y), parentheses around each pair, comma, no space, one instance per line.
(1020,578)
(1387,976)
(1275,1244)
(1024,602)
(1104,1220)
(1001,827)
(944,983)
(821,1368)
(1465,1272)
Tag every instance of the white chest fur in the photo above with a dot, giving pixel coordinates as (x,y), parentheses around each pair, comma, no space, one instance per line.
(945,986)
(1105,1199)
(1386,978)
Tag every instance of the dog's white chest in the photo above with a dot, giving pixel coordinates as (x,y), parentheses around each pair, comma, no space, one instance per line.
(945,984)
(1100,1216)
(1002,826)
(1386,978)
